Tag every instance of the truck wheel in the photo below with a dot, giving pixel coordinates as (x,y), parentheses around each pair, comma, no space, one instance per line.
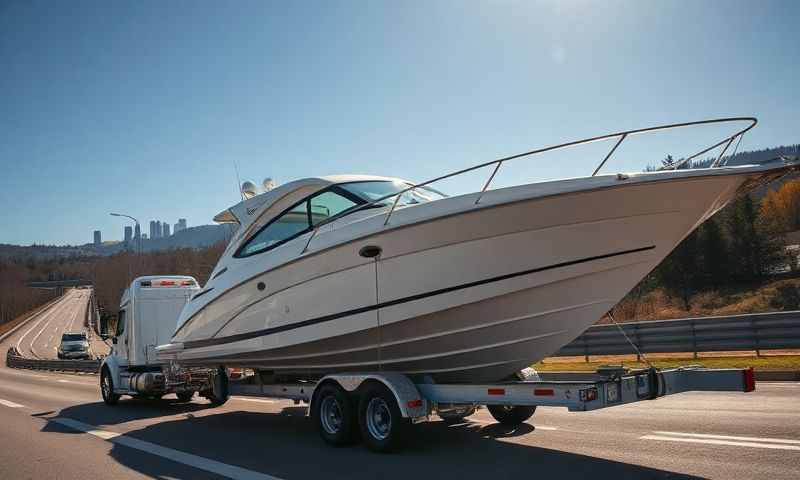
(511,415)
(334,415)
(107,387)
(383,427)
(185,397)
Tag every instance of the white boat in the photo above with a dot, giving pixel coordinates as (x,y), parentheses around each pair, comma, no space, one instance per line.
(343,274)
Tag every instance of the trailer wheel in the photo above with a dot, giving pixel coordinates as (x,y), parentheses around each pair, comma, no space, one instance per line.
(383,427)
(511,415)
(107,388)
(185,397)
(334,415)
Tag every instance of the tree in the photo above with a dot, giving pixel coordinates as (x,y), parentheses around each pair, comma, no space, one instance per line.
(678,273)
(714,251)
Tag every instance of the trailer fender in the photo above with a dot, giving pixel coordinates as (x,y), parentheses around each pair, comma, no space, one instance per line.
(411,403)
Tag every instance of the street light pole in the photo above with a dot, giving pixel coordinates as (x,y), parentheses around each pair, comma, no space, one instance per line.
(138,239)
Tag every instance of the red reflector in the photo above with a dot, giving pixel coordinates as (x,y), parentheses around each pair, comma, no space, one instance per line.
(496,391)
(749,380)
(548,392)
(415,403)
(167,282)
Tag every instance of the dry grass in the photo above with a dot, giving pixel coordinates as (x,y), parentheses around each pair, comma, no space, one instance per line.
(788,360)
(5,327)
(656,305)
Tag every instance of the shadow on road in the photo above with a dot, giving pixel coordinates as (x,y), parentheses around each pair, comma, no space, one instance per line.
(286,445)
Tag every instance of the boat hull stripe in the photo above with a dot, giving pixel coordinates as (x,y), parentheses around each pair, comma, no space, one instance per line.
(327,318)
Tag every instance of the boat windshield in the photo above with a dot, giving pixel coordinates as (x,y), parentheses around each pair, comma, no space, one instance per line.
(371,191)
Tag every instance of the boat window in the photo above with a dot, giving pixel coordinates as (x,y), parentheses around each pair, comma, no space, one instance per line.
(288,225)
(371,191)
(328,204)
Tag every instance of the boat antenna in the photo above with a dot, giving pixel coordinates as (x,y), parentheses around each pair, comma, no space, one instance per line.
(238,179)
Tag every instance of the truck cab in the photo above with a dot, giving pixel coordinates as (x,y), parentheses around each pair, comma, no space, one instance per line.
(147,317)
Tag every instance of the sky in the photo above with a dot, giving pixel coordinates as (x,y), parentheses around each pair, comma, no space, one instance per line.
(145,107)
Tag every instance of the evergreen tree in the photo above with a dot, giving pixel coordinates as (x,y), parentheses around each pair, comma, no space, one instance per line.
(678,273)
(714,251)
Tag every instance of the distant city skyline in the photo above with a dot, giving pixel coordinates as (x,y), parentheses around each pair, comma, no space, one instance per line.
(158,229)
(144,107)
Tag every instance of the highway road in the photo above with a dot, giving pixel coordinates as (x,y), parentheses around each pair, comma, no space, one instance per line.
(55,425)
(41,337)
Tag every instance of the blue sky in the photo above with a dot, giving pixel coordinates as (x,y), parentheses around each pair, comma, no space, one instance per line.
(142,107)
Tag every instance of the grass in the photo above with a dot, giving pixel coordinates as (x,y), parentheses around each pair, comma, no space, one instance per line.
(577,364)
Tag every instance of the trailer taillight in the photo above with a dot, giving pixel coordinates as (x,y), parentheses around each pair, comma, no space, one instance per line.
(749,380)
(496,391)
(543,392)
(167,283)
(187,283)
(414,403)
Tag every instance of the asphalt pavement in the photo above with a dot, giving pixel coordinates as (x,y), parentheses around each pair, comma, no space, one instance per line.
(56,426)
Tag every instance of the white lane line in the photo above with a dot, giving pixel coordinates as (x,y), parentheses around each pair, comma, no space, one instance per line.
(730,437)
(10,404)
(258,400)
(202,463)
(709,441)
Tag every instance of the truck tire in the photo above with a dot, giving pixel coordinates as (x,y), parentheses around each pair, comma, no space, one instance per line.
(511,415)
(107,387)
(383,428)
(334,415)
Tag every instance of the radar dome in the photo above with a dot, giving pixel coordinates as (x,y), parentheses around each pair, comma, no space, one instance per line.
(268,184)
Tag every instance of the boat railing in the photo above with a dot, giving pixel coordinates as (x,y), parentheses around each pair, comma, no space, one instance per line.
(619,136)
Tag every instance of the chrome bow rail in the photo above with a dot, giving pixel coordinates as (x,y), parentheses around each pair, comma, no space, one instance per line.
(620,136)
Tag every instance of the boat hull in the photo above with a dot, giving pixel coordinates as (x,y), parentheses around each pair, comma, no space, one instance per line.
(473,295)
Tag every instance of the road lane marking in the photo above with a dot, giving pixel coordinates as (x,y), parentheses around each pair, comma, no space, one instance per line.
(202,463)
(730,437)
(10,404)
(258,400)
(709,441)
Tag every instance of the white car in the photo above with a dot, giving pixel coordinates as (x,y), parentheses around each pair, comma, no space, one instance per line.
(74,345)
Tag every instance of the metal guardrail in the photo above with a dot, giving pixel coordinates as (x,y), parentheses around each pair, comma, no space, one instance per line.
(764,331)
(15,360)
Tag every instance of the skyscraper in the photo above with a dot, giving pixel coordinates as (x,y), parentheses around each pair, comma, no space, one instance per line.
(128,234)
(165,227)
(137,234)
(176,228)
(97,239)
(159,230)
(152,229)
(182,223)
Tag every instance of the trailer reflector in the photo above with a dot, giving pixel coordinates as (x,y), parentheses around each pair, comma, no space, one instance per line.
(496,391)
(543,392)
(414,403)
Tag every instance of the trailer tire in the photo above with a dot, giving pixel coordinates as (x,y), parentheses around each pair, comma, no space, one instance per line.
(383,428)
(334,415)
(511,415)
(107,387)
